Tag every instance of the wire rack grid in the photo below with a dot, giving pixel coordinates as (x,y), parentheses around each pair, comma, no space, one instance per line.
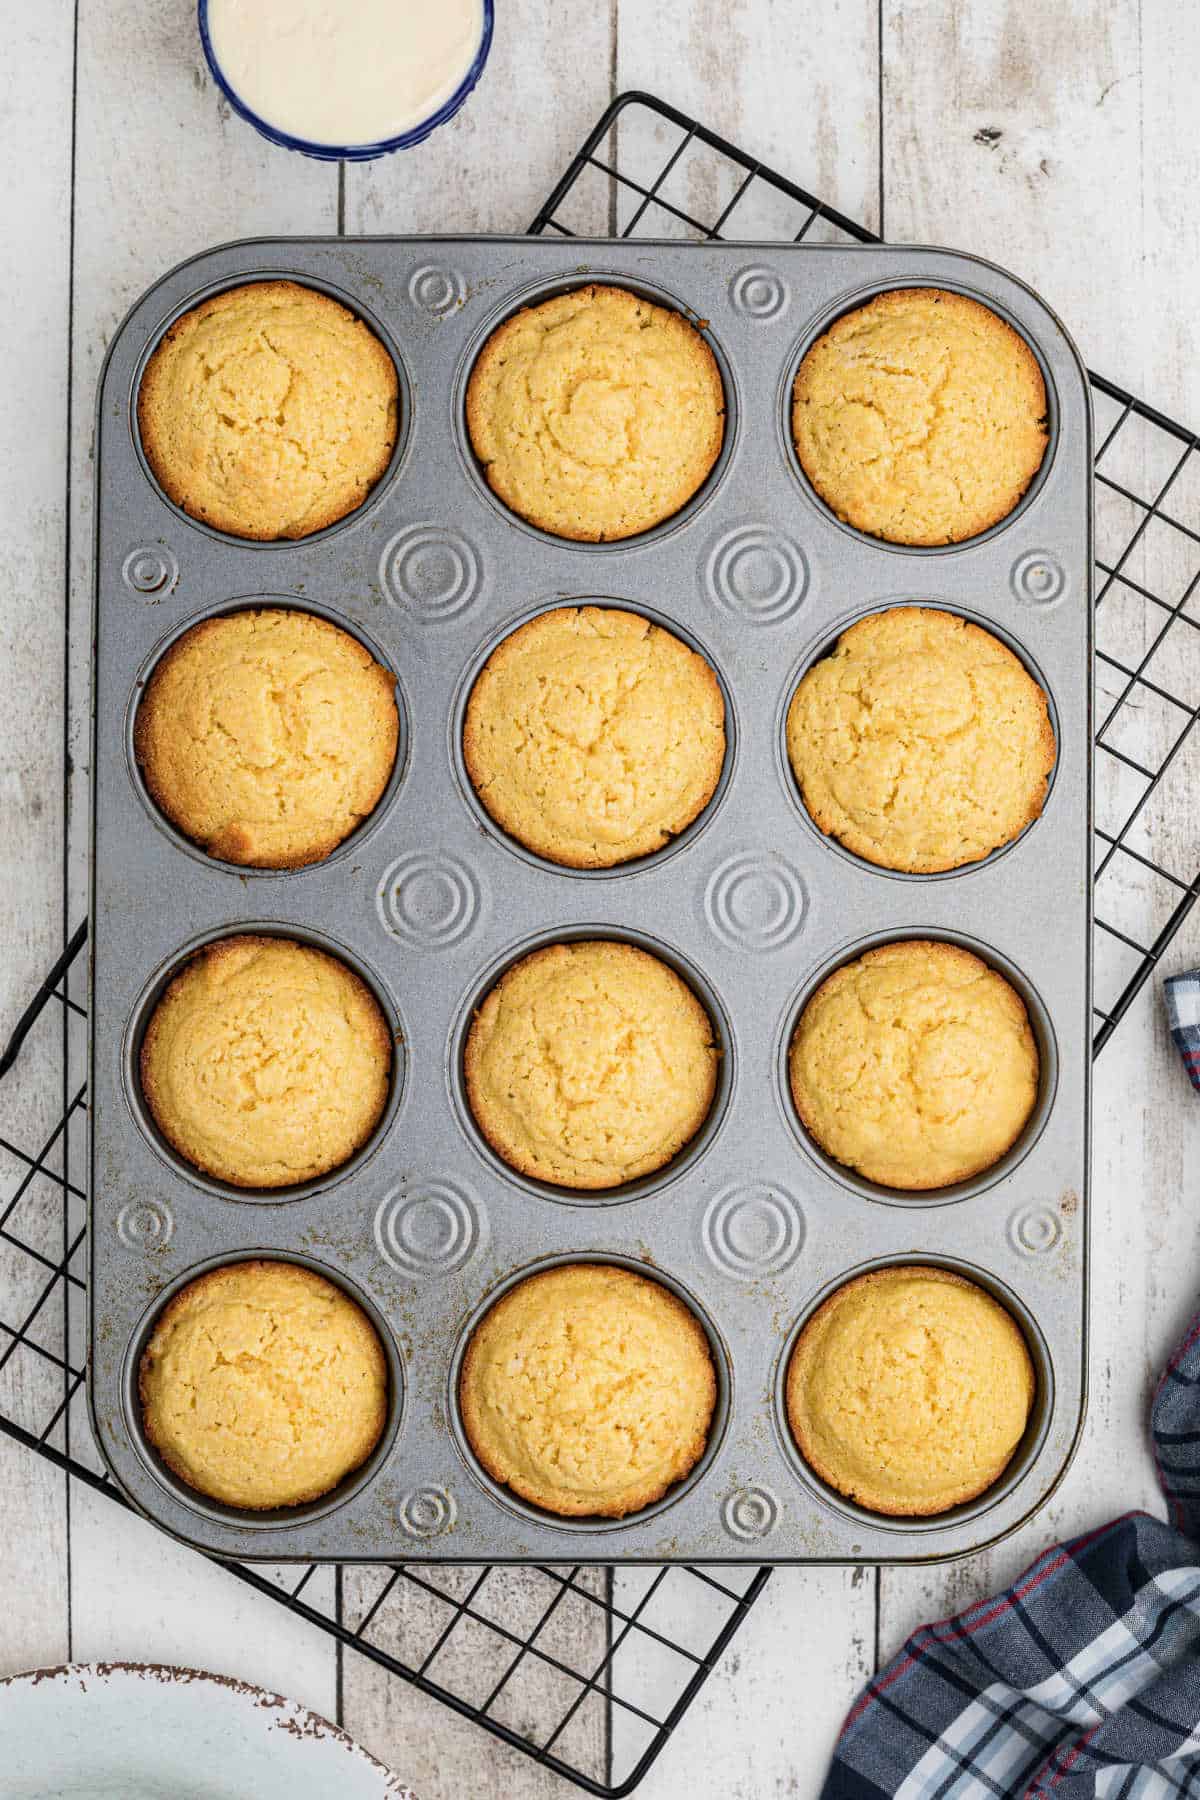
(589,1670)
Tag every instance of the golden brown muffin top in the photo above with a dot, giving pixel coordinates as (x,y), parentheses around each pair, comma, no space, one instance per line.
(590,1064)
(915,1065)
(593,736)
(588,1389)
(922,742)
(920,417)
(266,1062)
(269,410)
(909,1390)
(263,1385)
(596,414)
(267,736)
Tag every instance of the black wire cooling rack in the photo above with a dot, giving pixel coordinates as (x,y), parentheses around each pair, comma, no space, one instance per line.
(589,1670)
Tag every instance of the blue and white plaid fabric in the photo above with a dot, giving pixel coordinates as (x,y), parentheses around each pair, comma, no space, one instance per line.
(1182,994)
(1081,1680)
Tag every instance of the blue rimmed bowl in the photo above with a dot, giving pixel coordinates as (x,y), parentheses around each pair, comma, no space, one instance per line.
(404,140)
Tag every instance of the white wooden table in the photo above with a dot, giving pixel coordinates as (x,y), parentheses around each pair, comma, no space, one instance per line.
(1058,138)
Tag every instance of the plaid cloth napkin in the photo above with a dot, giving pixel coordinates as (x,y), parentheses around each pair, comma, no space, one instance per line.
(1082,1679)
(1182,994)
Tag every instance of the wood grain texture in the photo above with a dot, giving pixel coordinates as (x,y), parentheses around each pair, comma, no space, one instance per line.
(1061,150)
(35,309)
(162,170)
(547,78)
(1056,140)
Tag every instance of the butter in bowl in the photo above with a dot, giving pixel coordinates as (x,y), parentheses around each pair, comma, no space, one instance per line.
(346,80)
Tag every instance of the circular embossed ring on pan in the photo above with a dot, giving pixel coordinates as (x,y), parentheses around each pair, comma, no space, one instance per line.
(752,1230)
(756,573)
(432,571)
(1039,578)
(427,1512)
(436,289)
(750,1514)
(755,901)
(242,1518)
(150,569)
(536,1515)
(428,1228)
(759,293)
(430,899)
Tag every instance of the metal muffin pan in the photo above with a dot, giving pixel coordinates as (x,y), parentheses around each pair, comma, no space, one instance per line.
(751,1224)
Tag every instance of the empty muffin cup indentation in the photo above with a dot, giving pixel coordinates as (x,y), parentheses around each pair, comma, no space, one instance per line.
(597,737)
(559,1067)
(264,1063)
(598,412)
(270,411)
(920,417)
(265,736)
(914,1393)
(919,739)
(589,1393)
(263,1389)
(918,1066)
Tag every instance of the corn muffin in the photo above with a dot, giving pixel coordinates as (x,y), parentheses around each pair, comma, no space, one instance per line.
(266,1062)
(920,417)
(267,737)
(590,1064)
(915,1065)
(268,411)
(593,736)
(587,1389)
(909,1390)
(922,742)
(596,414)
(263,1385)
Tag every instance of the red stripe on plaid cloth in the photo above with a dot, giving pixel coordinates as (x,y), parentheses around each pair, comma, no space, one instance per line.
(1190,1056)
(1039,1781)
(988,1610)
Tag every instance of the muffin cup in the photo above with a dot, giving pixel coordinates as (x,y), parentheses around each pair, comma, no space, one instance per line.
(355,307)
(824,648)
(219,1511)
(685,1159)
(851,302)
(404,140)
(1043,1031)
(1024,1456)
(534,295)
(356,839)
(136,1030)
(524,1509)
(682,840)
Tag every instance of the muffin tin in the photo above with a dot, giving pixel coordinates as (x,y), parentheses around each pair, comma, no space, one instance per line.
(751,1224)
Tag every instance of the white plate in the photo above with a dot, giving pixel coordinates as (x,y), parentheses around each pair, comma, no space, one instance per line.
(133,1731)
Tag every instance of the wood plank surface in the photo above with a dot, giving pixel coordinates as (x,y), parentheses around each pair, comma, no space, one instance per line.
(35,215)
(1056,140)
(1041,160)
(161,172)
